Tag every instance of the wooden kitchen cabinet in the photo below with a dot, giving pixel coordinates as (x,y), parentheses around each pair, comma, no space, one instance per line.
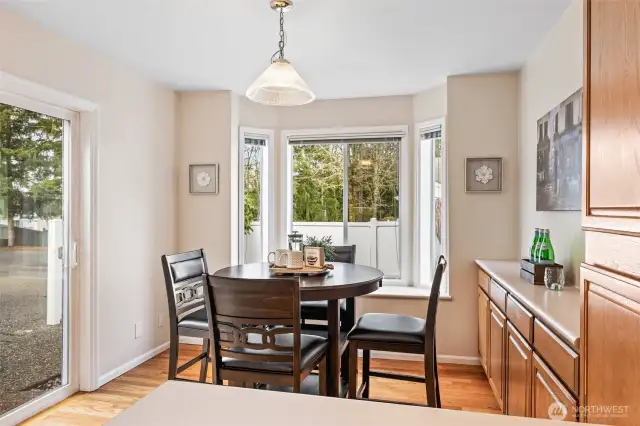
(611,346)
(483,327)
(610,276)
(550,398)
(611,104)
(517,374)
(497,337)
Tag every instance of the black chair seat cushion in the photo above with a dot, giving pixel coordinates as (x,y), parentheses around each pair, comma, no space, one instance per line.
(317,309)
(196,320)
(388,328)
(311,348)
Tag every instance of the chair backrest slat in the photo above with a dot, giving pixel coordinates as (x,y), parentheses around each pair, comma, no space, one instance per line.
(183,280)
(246,316)
(345,254)
(432,308)
(259,299)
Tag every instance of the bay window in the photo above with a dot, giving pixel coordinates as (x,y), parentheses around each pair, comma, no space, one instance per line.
(347,187)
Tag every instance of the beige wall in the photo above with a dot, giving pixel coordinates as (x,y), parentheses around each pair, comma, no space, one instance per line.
(430,104)
(550,75)
(206,132)
(482,120)
(136,179)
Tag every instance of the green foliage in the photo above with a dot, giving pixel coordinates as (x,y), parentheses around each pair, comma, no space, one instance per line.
(317,183)
(252,154)
(30,163)
(318,179)
(324,242)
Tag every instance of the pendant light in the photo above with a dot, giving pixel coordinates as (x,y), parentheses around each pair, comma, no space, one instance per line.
(280,84)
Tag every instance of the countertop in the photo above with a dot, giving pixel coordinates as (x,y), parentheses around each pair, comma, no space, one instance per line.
(559,310)
(183,403)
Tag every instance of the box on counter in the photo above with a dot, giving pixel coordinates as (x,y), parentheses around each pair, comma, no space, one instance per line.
(533,273)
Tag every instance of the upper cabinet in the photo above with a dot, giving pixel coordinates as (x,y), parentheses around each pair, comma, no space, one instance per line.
(610,276)
(612,115)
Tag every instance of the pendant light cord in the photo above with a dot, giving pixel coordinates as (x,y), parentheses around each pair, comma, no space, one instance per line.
(282,43)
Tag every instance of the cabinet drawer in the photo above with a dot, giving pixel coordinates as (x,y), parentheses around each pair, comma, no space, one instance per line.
(498,295)
(560,357)
(520,317)
(546,391)
(483,281)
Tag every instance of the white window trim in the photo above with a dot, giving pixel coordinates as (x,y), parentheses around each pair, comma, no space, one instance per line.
(286,184)
(268,197)
(420,128)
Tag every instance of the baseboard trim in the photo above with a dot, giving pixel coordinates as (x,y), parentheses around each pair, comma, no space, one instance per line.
(191,340)
(442,359)
(119,371)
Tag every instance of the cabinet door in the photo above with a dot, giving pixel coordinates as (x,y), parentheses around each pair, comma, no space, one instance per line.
(518,374)
(610,346)
(550,399)
(483,327)
(611,105)
(497,335)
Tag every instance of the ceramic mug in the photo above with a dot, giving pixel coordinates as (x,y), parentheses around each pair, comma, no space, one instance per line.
(279,258)
(295,260)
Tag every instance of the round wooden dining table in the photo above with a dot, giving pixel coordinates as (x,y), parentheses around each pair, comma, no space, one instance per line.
(345,281)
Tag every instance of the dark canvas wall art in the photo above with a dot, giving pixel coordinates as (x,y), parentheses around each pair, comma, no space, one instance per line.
(559,157)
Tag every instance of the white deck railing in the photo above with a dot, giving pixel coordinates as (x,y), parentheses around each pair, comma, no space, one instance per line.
(377,242)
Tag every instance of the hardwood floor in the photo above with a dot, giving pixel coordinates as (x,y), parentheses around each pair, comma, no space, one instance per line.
(462,387)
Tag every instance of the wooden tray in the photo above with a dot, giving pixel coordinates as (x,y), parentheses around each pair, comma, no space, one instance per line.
(307,271)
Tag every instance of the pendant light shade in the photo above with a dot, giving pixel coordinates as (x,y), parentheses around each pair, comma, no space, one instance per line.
(280,85)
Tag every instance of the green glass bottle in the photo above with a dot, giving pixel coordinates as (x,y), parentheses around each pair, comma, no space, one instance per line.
(546,253)
(539,248)
(551,254)
(534,245)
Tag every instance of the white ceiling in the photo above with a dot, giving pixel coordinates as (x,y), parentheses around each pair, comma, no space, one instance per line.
(343,48)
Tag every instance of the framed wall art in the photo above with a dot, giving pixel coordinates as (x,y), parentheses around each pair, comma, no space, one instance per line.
(559,157)
(203,178)
(483,174)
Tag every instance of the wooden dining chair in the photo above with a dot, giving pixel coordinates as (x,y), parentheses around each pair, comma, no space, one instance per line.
(317,310)
(255,329)
(187,315)
(398,333)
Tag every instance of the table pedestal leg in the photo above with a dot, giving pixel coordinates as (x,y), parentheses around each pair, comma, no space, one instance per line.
(333,353)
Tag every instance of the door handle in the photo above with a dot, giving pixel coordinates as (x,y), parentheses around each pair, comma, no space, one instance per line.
(75,255)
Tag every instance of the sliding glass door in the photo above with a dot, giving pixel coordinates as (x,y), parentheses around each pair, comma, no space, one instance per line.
(36,230)
(348,190)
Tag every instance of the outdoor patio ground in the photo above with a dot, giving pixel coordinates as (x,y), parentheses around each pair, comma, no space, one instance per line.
(30,350)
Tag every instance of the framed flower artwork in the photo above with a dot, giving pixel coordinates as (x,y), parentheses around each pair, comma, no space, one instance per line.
(483,174)
(203,179)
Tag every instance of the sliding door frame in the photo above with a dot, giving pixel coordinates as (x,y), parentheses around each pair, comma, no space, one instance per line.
(79,170)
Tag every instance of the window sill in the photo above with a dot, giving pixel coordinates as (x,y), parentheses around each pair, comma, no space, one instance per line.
(403,292)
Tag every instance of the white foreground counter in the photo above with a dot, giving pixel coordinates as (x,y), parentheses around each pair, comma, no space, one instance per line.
(185,404)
